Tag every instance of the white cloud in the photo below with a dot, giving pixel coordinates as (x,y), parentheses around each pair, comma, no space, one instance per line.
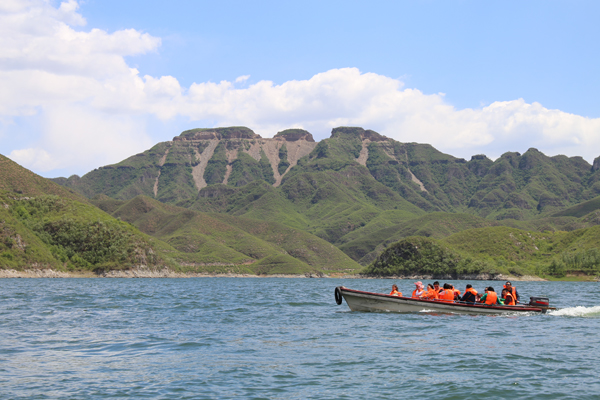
(73,134)
(92,104)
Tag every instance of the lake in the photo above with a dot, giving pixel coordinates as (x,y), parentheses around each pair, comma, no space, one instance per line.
(277,338)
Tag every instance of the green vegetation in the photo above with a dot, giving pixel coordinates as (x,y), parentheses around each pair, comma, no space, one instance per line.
(204,238)
(283,163)
(217,165)
(246,169)
(424,256)
(50,231)
(401,190)
(494,250)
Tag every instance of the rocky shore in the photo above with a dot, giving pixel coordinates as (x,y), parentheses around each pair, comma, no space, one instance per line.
(145,272)
(142,272)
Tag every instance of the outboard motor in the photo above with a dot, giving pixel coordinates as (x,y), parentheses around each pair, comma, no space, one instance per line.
(541,302)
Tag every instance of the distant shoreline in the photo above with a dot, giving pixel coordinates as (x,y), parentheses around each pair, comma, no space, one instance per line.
(143,272)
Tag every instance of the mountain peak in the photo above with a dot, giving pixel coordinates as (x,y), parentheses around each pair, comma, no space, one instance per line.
(357,132)
(292,135)
(232,132)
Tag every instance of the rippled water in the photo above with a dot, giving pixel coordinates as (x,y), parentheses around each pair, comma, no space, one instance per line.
(284,339)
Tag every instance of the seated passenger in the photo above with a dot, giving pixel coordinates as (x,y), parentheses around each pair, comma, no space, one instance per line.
(431,293)
(509,300)
(501,297)
(513,291)
(470,295)
(447,294)
(436,287)
(395,291)
(490,297)
(456,292)
(419,290)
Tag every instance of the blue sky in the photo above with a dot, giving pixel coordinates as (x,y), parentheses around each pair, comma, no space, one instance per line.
(468,77)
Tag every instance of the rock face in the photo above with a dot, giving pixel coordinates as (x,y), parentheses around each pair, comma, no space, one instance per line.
(179,169)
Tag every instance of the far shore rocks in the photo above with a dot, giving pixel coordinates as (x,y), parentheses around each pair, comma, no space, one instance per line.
(145,272)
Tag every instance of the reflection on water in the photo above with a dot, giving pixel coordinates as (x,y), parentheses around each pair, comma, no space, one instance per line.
(284,338)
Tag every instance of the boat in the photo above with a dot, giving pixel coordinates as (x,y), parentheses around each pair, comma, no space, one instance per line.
(358,300)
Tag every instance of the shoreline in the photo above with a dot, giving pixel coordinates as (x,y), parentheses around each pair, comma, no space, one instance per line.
(144,272)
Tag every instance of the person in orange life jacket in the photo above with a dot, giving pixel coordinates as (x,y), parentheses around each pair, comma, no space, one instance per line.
(490,297)
(395,291)
(436,287)
(470,295)
(509,300)
(419,290)
(456,292)
(479,294)
(513,290)
(431,293)
(447,294)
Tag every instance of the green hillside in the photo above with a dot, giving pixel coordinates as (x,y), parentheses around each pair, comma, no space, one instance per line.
(208,238)
(22,182)
(61,233)
(493,250)
(49,231)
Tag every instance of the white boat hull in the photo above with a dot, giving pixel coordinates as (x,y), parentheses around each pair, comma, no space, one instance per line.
(376,302)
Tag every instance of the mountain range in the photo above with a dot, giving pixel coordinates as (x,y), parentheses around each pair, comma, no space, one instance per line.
(226,196)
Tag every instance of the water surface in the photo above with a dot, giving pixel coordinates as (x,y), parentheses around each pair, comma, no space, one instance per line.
(276,338)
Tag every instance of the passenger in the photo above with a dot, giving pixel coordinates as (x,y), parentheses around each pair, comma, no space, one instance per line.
(447,295)
(395,291)
(436,287)
(456,293)
(418,292)
(431,293)
(513,290)
(501,297)
(490,297)
(509,300)
(470,295)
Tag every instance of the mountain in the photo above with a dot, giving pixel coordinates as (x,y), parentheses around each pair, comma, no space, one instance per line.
(358,190)
(64,231)
(177,170)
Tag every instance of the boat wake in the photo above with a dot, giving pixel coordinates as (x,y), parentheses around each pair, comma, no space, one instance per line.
(587,312)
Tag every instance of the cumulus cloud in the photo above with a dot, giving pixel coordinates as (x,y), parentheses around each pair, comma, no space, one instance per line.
(92,105)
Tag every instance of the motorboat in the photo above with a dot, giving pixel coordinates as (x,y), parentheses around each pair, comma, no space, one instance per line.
(359,300)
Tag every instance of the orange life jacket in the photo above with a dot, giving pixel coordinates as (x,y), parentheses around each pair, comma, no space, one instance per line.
(447,295)
(513,291)
(509,300)
(431,294)
(457,291)
(416,294)
(491,298)
(471,290)
(395,293)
